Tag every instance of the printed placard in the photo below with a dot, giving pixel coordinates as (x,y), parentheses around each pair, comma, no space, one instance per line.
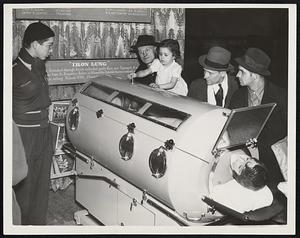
(81,71)
(58,111)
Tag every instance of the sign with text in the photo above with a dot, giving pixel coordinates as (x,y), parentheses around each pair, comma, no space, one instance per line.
(81,71)
(86,14)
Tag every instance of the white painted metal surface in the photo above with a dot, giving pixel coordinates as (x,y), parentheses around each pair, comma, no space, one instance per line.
(102,123)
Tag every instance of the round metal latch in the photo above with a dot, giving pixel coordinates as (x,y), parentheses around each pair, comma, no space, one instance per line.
(158,162)
(73,119)
(126,146)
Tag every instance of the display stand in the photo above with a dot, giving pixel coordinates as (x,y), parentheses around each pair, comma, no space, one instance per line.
(63,166)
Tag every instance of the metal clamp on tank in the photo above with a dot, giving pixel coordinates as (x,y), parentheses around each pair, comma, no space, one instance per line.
(144,196)
(99,113)
(74,102)
(126,144)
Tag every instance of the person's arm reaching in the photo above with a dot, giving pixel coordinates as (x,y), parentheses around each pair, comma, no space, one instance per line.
(140,74)
(169,85)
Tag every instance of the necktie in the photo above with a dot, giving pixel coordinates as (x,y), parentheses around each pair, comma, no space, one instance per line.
(219,96)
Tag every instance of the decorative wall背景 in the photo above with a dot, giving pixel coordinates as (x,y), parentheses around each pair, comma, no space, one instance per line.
(80,40)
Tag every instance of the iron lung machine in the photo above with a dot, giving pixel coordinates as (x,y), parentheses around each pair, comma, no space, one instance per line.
(146,156)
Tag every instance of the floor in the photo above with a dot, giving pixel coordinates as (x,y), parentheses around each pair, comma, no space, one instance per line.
(62,206)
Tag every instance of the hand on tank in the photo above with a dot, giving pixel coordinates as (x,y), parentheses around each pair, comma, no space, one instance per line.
(154,85)
(131,76)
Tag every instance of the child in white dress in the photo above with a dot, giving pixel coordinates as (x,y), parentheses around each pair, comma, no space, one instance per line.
(168,70)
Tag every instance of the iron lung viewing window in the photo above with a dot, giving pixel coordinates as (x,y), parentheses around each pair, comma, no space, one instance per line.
(128,102)
(97,91)
(165,116)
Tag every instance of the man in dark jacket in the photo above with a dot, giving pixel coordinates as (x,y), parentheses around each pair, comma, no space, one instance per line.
(30,112)
(145,48)
(217,86)
(257,90)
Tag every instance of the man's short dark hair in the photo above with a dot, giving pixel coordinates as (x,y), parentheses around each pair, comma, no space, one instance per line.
(36,31)
(253,178)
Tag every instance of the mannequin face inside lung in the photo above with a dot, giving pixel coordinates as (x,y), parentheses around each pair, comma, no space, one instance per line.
(224,171)
(248,171)
(238,163)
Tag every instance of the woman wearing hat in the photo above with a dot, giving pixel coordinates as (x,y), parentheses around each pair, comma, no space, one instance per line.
(145,48)
(30,112)
(217,86)
(257,90)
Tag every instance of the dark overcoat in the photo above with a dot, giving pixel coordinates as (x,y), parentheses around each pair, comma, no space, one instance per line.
(198,89)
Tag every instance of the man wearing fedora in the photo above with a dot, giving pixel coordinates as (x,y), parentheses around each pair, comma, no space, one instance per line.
(257,90)
(145,48)
(217,86)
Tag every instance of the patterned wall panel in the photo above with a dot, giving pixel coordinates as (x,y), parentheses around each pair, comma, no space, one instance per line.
(88,40)
(169,23)
(103,40)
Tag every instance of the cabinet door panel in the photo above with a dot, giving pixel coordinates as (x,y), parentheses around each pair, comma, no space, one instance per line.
(131,213)
(98,198)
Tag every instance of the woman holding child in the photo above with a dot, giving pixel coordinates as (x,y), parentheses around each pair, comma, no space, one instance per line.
(168,70)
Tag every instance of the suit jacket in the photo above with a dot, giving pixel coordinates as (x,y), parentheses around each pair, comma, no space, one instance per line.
(198,89)
(275,128)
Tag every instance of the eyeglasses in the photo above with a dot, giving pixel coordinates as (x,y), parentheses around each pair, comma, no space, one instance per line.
(144,51)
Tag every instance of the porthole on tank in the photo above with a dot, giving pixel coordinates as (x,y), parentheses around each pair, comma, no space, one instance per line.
(73,119)
(126,146)
(157,162)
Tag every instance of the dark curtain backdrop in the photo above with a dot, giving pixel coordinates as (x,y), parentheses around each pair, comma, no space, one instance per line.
(236,30)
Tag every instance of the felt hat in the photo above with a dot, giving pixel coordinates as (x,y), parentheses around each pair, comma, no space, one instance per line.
(217,59)
(144,40)
(255,60)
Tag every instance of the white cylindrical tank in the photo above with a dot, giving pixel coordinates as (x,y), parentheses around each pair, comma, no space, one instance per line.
(160,142)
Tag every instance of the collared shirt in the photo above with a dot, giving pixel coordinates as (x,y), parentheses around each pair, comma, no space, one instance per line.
(25,64)
(255,97)
(213,89)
